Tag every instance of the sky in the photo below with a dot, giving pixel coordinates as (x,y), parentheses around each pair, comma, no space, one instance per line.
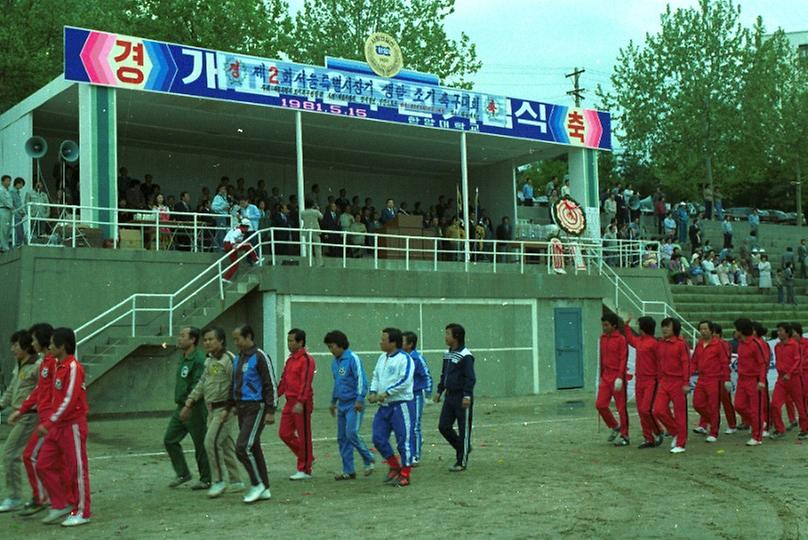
(527,46)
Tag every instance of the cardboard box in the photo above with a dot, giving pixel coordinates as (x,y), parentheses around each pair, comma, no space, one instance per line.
(130,239)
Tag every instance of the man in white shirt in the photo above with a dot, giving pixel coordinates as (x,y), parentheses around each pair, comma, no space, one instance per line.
(391,388)
(310,218)
(6,208)
(233,243)
(221,206)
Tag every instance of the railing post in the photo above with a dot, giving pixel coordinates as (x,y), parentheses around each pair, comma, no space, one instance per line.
(495,242)
(272,245)
(73,228)
(134,312)
(521,257)
(157,229)
(196,232)
(435,254)
(466,253)
(375,251)
(170,316)
(344,249)
(28,225)
(261,247)
(406,252)
(221,283)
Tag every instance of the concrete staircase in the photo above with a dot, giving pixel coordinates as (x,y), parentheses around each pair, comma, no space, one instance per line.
(726,304)
(104,351)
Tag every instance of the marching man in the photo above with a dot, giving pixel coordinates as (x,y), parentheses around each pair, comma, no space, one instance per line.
(788,360)
(296,381)
(613,363)
(62,464)
(421,388)
(674,383)
(752,368)
(214,388)
(348,404)
(391,388)
(645,386)
(709,361)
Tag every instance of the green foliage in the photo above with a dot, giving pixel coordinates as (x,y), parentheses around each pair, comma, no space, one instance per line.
(708,101)
(339,28)
(31,48)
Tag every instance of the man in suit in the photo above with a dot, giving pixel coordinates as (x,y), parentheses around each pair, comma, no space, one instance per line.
(281,224)
(183,206)
(330,222)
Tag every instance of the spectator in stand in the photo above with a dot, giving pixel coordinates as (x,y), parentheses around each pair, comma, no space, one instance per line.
(314,196)
(261,190)
(634,206)
(163,215)
(754,222)
(182,211)
(788,257)
(609,209)
(402,210)
(373,225)
(677,270)
(342,200)
(802,254)
(19,211)
(622,210)
(666,252)
(765,272)
(346,218)
(565,189)
(669,226)
(368,208)
(726,227)
(221,207)
(682,219)
(239,192)
(710,271)
(788,283)
(718,205)
(311,217)
(660,211)
(708,202)
(263,211)
(358,237)
(274,200)
(330,222)
(249,211)
(551,185)
(147,187)
(416,209)
(695,234)
(39,198)
(282,235)
(527,193)
(389,212)
(455,233)
(124,180)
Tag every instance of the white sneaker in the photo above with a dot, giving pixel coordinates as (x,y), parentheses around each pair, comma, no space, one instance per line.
(699,429)
(673,443)
(55,515)
(753,442)
(710,438)
(217,489)
(75,520)
(765,433)
(369,468)
(9,505)
(300,475)
(730,431)
(677,450)
(235,487)
(265,495)
(254,493)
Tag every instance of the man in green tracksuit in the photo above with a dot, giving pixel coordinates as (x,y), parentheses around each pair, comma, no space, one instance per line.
(191,367)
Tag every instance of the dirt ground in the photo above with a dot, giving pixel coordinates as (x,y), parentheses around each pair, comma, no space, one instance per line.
(540,469)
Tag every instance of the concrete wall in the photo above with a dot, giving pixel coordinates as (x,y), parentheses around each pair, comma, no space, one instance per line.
(13,160)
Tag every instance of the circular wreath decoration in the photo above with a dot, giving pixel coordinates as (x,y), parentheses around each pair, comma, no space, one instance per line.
(569,215)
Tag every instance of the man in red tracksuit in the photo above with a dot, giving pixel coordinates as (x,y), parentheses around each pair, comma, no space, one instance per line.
(797,327)
(613,361)
(752,367)
(63,460)
(726,390)
(296,385)
(645,384)
(674,383)
(38,400)
(709,361)
(760,333)
(788,360)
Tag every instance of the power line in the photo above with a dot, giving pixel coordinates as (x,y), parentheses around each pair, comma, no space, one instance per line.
(576,91)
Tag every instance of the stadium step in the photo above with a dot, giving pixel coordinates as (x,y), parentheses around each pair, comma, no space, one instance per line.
(116,343)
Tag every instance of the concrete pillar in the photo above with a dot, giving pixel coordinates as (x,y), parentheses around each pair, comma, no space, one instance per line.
(12,149)
(98,141)
(584,186)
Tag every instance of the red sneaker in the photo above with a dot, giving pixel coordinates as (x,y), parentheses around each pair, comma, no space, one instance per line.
(392,475)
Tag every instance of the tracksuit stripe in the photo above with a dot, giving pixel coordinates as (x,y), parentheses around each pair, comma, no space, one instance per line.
(34,456)
(79,469)
(258,419)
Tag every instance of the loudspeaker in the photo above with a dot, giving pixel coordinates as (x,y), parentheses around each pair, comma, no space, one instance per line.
(36,147)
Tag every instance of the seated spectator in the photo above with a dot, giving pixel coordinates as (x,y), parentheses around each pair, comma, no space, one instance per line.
(357,238)
(666,252)
(696,271)
(676,269)
(347,218)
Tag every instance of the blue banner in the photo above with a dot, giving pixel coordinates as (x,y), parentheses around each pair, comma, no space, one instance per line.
(121,61)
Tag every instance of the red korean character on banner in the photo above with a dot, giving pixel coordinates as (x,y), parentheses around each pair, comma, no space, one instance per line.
(575,126)
(130,74)
(235,70)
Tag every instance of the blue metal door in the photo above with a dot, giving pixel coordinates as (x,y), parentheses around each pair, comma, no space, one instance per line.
(569,348)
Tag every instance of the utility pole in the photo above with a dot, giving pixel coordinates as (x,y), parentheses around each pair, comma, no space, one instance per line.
(576,91)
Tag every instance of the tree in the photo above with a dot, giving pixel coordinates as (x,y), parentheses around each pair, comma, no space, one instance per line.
(339,28)
(676,97)
(31,31)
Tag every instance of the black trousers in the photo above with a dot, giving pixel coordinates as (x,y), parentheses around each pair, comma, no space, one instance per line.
(452,412)
(248,443)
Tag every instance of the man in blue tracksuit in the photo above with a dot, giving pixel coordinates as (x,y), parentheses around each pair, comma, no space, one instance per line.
(348,403)
(391,387)
(255,391)
(457,379)
(421,386)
